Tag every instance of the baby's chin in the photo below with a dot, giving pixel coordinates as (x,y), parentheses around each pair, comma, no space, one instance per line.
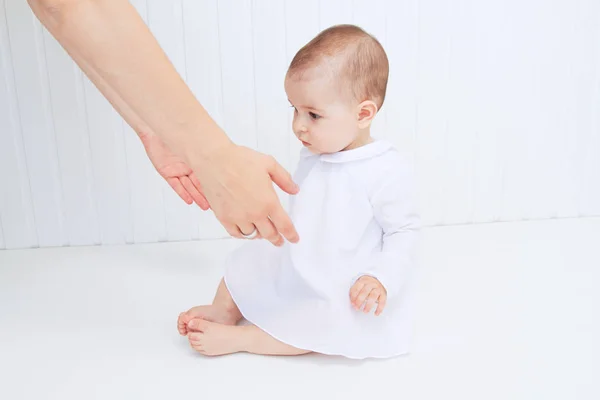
(310,147)
(313,149)
(318,150)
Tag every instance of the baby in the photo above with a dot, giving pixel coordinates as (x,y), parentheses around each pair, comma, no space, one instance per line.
(346,287)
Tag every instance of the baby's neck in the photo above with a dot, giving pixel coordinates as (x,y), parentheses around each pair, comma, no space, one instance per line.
(363,139)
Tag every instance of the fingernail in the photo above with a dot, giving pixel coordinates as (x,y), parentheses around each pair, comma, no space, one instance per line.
(192,324)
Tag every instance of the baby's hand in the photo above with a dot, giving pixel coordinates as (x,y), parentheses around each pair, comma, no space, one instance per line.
(370,290)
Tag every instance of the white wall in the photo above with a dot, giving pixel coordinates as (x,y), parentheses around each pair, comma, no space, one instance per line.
(499,100)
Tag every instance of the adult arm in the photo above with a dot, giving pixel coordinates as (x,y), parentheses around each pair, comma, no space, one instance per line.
(115,49)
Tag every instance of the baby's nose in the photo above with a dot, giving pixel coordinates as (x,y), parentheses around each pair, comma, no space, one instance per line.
(301,128)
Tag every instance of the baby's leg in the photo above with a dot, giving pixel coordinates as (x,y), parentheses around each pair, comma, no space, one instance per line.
(213,339)
(223,311)
(260,342)
(224,301)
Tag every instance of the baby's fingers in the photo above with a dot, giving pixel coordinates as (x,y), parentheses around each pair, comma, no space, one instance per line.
(362,296)
(355,290)
(371,300)
(381,305)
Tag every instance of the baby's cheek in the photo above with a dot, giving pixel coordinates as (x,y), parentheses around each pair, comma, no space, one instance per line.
(331,142)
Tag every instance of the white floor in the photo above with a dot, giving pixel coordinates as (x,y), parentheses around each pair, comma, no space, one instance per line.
(507,311)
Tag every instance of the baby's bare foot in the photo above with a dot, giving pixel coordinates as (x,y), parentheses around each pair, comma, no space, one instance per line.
(214,339)
(209,313)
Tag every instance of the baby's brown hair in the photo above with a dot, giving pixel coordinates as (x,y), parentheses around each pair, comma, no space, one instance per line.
(355,56)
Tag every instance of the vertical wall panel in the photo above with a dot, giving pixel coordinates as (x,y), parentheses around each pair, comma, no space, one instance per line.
(31,83)
(532,121)
(586,71)
(237,64)
(16,208)
(553,127)
(109,167)
(370,15)
(459,171)
(433,100)
(401,47)
(590,193)
(334,12)
(2,244)
(72,140)
(493,33)
(270,66)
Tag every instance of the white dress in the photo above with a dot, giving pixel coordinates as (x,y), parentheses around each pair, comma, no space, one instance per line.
(355,214)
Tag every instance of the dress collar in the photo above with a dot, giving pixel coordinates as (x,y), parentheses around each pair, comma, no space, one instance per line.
(370,150)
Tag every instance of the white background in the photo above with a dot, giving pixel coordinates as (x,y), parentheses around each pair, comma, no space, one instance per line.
(500,101)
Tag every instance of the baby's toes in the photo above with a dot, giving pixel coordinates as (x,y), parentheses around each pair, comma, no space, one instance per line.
(197,346)
(196,341)
(182,325)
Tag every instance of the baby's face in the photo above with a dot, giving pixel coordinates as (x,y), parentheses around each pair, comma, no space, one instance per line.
(324,121)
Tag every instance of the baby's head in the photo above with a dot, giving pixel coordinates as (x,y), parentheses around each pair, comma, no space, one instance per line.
(336,84)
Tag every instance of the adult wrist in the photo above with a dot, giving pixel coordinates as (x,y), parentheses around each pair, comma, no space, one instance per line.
(206,142)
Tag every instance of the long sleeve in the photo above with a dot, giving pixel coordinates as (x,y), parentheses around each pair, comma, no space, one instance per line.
(393,198)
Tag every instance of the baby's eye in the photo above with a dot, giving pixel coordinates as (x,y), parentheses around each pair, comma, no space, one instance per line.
(313,115)
(295,109)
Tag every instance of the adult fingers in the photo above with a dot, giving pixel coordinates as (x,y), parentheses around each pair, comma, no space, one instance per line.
(268,231)
(283,223)
(281,177)
(246,228)
(233,230)
(175,183)
(194,192)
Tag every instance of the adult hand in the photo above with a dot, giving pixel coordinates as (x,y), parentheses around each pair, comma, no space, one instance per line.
(238,183)
(116,50)
(176,172)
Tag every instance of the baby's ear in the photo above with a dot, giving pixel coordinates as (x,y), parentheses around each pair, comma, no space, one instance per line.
(366,113)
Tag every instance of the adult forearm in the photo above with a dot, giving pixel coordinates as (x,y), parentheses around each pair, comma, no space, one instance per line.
(112,45)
